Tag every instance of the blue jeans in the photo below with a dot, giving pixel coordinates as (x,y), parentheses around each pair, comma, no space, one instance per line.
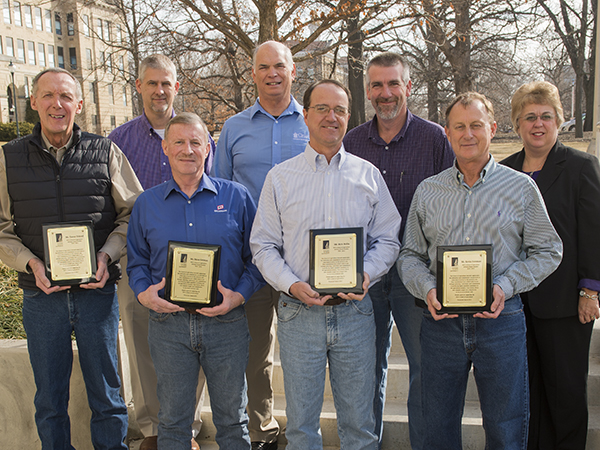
(49,321)
(389,297)
(344,337)
(497,350)
(181,343)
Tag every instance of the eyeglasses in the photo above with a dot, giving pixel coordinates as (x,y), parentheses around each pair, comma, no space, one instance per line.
(323,110)
(532,118)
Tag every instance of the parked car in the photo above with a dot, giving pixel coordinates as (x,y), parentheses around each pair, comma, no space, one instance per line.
(570,124)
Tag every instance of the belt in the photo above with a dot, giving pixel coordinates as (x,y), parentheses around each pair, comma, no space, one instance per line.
(334,301)
(192,311)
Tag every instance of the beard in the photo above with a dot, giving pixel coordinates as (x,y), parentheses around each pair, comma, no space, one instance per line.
(388,112)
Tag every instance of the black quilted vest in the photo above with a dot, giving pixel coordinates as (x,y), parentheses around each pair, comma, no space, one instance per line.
(42,192)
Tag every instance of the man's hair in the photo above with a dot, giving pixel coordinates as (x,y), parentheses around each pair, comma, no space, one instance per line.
(286,51)
(467,98)
(78,91)
(536,93)
(312,87)
(158,62)
(187,118)
(390,59)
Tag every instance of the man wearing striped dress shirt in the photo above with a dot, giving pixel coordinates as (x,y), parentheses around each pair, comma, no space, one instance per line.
(477,201)
(325,187)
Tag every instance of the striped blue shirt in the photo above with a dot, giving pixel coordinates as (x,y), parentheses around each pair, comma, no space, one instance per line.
(305,193)
(503,208)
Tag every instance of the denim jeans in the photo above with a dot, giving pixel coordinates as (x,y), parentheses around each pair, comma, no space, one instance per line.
(181,343)
(390,297)
(49,321)
(497,350)
(344,337)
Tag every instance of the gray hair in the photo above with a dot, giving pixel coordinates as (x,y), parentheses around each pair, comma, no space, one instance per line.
(390,59)
(288,53)
(187,118)
(78,91)
(158,62)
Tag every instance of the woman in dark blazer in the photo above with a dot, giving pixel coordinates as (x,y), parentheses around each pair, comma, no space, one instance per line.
(560,312)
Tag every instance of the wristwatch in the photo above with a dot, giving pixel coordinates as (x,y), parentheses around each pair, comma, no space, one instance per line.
(582,293)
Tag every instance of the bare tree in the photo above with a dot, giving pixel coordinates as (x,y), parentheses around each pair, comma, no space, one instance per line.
(575,24)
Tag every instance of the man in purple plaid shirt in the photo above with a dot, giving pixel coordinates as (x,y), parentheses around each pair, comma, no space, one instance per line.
(141,141)
(406,149)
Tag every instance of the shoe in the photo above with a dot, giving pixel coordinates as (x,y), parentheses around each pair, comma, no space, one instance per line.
(264,445)
(151,443)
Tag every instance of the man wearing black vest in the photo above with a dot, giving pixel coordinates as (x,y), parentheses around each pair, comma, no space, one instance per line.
(61,174)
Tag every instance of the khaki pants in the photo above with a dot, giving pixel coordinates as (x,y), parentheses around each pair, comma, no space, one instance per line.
(260,310)
(134,318)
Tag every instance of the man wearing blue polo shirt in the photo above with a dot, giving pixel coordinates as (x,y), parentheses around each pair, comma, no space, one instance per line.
(251,143)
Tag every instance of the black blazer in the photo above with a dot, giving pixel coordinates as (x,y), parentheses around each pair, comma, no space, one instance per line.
(570,185)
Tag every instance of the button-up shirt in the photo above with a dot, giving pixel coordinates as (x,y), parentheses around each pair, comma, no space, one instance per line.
(418,151)
(254,141)
(306,193)
(143,147)
(218,213)
(503,208)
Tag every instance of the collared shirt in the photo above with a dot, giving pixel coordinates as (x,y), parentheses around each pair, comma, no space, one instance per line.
(143,147)
(254,141)
(305,193)
(418,151)
(124,190)
(503,208)
(218,213)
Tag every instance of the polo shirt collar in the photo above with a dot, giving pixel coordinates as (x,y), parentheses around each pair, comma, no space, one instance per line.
(293,108)
(311,155)
(205,183)
(147,123)
(374,133)
(484,175)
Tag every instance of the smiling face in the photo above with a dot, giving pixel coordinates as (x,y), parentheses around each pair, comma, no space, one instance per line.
(186,147)
(537,126)
(470,133)
(158,90)
(273,72)
(327,130)
(56,102)
(387,92)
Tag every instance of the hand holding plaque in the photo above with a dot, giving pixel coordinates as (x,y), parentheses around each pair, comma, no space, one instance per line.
(192,274)
(464,278)
(69,253)
(336,260)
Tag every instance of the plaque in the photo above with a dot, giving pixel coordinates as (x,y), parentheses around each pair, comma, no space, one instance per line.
(464,278)
(192,274)
(336,260)
(69,253)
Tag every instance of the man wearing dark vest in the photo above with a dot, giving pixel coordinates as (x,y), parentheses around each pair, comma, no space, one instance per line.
(59,174)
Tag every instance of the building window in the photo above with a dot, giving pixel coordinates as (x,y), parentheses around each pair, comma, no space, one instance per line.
(41,55)
(21,51)
(70,24)
(10,48)
(61,57)
(1,49)
(38,18)
(73,58)
(31,52)
(103,61)
(57,24)
(121,64)
(106,31)
(94,120)
(92,92)
(124,96)
(48,20)
(109,63)
(119,34)
(86,25)
(113,122)
(26,87)
(28,17)
(17,13)
(99,28)
(6,8)
(88,57)
(111,94)
(51,62)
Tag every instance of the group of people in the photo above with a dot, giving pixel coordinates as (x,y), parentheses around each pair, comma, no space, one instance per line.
(279,170)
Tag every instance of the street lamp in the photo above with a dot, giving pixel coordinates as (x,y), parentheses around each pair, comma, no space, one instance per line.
(11,69)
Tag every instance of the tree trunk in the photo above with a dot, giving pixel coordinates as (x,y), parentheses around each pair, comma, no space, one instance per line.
(356,82)
(461,59)
(267,13)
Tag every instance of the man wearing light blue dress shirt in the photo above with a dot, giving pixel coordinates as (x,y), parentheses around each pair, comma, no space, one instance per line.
(251,143)
(477,202)
(325,187)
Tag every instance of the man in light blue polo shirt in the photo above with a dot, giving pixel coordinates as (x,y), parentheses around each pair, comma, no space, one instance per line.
(251,143)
